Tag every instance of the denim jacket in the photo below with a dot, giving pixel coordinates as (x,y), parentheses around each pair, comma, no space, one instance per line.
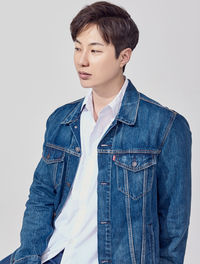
(143,184)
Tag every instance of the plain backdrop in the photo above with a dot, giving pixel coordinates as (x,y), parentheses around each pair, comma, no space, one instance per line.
(38,75)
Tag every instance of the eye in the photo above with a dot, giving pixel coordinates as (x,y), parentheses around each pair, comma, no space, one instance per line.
(95,51)
(77,48)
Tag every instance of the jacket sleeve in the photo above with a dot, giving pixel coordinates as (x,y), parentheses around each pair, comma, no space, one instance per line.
(37,220)
(174,191)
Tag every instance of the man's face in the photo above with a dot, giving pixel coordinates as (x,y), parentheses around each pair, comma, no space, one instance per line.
(94,56)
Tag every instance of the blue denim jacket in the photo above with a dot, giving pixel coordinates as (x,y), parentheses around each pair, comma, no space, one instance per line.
(144,183)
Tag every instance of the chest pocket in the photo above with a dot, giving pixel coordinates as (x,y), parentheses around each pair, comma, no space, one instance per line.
(134,173)
(54,159)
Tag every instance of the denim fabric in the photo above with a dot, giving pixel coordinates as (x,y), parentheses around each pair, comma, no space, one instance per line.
(143,185)
(6,260)
(55,260)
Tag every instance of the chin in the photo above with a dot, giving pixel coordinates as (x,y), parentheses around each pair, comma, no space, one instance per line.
(85,84)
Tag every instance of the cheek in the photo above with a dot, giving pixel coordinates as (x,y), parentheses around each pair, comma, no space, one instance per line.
(106,65)
(109,69)
(75,60)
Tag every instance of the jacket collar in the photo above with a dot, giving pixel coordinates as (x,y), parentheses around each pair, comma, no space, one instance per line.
(127,113)
(129,107)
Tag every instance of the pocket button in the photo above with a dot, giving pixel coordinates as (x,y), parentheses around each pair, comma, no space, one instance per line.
(77,149)
(134,163)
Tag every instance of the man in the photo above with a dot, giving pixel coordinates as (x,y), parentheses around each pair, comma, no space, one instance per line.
(114,181)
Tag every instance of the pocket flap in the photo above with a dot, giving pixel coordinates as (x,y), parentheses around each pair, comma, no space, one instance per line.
(52,155)
(135,161)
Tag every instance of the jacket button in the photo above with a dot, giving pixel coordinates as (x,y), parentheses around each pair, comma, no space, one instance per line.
(48,156)
(77,149)
(134,163)
(75,127)
(54,214)
(68,184)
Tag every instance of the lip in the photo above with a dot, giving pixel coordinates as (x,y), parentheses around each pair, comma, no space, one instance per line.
(84,75)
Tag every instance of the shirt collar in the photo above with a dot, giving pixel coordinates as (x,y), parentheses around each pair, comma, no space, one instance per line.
(114,105)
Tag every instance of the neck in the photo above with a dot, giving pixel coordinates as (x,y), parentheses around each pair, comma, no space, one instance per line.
(102,96)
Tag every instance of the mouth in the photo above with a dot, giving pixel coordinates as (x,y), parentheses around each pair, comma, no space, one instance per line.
(84,75)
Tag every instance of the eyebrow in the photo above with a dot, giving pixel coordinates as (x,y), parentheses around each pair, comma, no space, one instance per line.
(93,43)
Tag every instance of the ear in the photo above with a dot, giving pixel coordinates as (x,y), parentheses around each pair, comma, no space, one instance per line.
(125,56)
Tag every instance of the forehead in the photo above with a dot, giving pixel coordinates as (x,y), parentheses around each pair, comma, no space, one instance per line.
(90,34)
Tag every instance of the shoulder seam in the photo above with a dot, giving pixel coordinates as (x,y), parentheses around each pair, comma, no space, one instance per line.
(169,126)
(63,106)
(144,99)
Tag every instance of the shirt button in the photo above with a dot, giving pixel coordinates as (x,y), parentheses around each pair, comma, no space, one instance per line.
(134,163)
(77,149)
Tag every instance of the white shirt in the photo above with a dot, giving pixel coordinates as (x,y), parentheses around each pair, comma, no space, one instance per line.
(76,226)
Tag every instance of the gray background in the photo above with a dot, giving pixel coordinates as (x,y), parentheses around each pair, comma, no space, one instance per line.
(38,75)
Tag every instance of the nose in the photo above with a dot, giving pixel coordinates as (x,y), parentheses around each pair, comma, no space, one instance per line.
(83,60)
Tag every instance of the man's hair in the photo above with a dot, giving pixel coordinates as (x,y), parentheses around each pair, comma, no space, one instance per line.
(114,23)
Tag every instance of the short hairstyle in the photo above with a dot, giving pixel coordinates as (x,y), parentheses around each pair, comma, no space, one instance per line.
(115,24)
